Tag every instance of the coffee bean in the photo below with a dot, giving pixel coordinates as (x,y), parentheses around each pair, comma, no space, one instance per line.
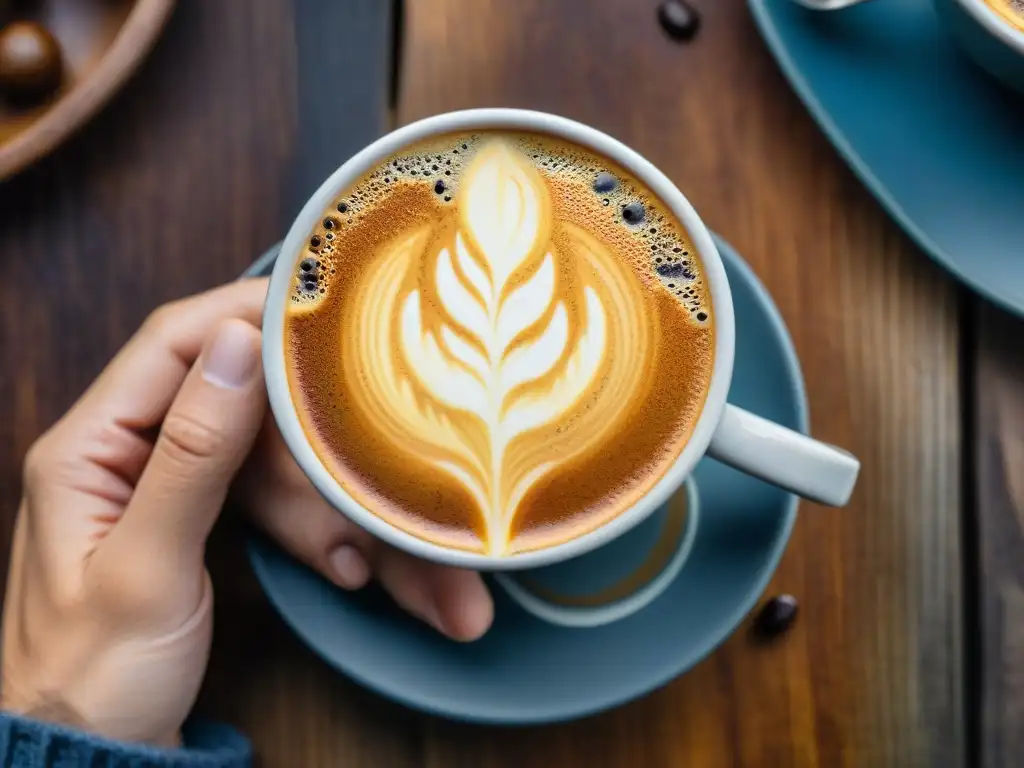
(605,182)
(633,213)
(778,614)
(31,65)
(679,19)
(439,186)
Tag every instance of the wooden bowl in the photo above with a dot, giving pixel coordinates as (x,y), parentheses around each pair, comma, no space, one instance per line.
(102,42)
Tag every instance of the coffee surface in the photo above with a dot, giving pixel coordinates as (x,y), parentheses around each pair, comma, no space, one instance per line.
(498,341)
(1011,11)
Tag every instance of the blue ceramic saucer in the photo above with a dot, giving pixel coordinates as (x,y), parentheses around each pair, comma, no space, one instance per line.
(528,671)
(935,138)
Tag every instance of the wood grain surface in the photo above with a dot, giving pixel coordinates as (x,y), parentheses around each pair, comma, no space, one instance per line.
(999,498)
(101,46)
(195,168)
(872,676)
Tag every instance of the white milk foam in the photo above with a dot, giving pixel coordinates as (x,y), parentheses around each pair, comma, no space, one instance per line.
(517,349)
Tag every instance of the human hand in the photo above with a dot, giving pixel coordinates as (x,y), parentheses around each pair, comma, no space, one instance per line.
(280,499)
(108,611)
(107,619)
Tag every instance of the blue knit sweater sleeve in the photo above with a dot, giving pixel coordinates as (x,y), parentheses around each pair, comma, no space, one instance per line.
(28,743)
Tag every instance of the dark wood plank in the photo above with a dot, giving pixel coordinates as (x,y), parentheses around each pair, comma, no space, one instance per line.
(871,676)
(192,171)
(170,190)
(999,472)
(343,53)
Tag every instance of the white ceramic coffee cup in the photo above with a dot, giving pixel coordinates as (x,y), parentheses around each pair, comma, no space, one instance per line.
(741,439)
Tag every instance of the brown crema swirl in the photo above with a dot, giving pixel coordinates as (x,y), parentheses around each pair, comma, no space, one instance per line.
(490,356)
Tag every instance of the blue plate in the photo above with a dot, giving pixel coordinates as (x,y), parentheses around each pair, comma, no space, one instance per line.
(935,139)
(527,671)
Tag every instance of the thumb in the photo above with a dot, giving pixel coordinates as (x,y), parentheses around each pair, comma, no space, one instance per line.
(205,436)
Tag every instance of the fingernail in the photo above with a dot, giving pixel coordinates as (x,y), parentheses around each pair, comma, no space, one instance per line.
(232,358)
(350,567)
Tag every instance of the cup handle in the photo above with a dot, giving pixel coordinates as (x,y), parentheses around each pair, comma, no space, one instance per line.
(784,457)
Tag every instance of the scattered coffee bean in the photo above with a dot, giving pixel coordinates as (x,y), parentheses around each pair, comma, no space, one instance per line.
(605,182)
(778,614)
(633,213)
(679,19)
(439,186)
(31,65)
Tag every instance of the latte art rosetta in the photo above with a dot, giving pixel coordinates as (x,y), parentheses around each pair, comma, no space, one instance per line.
(499,342)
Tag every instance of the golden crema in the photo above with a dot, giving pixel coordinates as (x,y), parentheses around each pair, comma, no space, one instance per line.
(1010,11)
(498,341)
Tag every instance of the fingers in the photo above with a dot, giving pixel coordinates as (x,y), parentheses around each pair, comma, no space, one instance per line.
(137,387)
(453,601)
(282,502)
(313,532)
(205,436)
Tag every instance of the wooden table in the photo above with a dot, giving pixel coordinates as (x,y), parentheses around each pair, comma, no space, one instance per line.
(910,647)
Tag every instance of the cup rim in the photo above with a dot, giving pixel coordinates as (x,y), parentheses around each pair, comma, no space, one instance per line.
(993,24)
(283,407)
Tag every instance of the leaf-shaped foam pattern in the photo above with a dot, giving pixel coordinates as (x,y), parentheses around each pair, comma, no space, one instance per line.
(477,362)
